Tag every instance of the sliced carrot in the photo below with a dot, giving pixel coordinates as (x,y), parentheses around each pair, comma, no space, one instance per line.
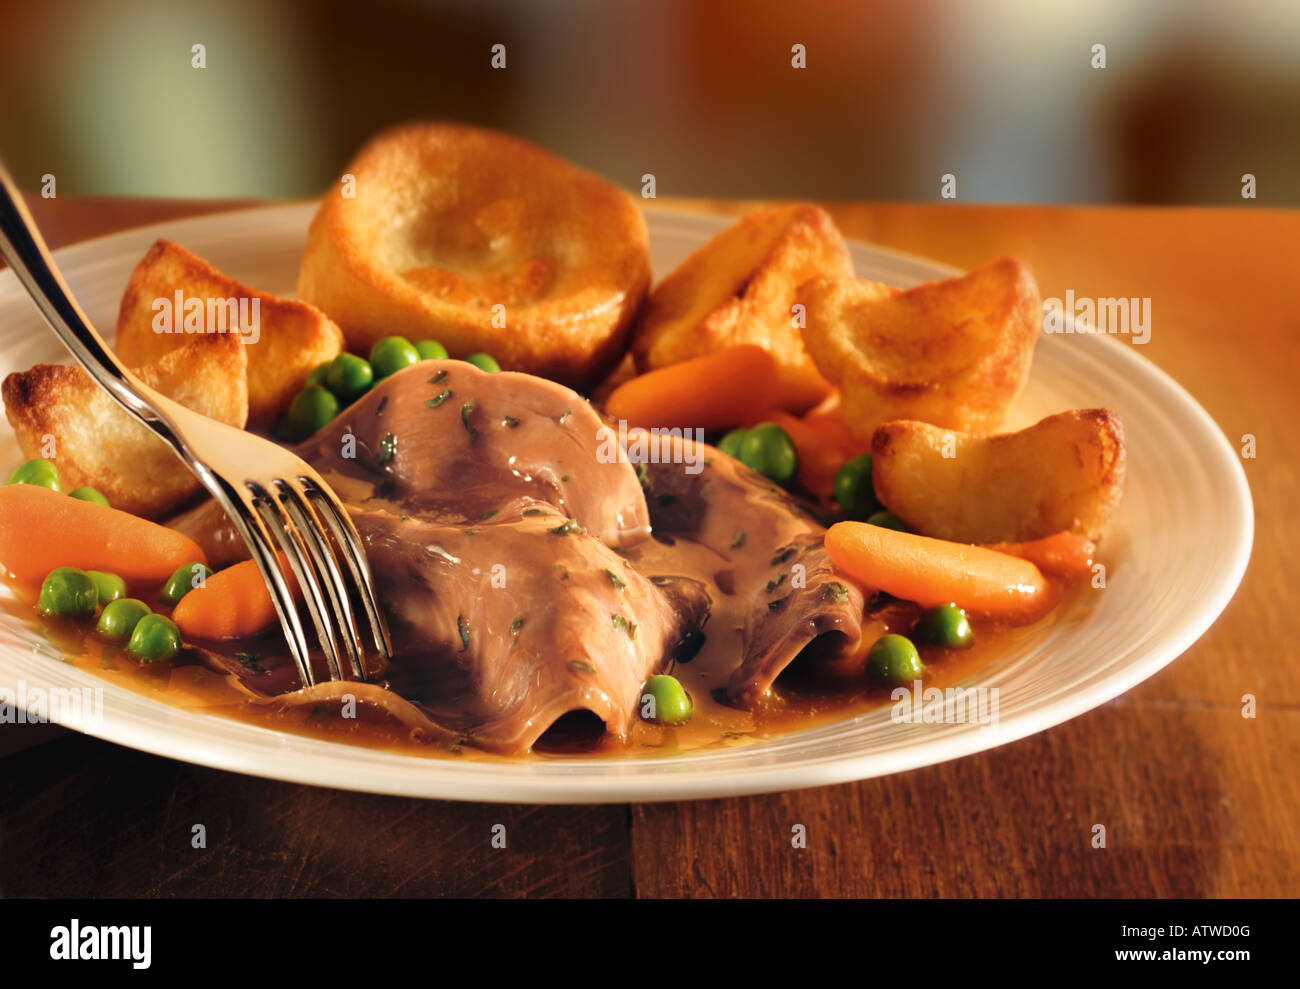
(800,389)
(41,529)
(717,391)
(231,604)
(933,571)
(1067,554)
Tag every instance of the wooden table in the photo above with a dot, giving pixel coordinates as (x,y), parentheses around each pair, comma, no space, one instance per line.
(1196,799)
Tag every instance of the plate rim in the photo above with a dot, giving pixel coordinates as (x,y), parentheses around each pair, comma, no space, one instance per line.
(501,781)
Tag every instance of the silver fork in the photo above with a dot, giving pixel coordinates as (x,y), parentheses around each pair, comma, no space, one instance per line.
(262,487)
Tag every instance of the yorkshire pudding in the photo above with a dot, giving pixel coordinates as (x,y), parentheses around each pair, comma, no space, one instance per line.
(483,242)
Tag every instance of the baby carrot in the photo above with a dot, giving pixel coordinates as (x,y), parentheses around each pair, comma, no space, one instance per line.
(832,425)
(1067,554)
(231,604)
(933,571)
(716,391)
(41,529)
(799,389)
(820,456)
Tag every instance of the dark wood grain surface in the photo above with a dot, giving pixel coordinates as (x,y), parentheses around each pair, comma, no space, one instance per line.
(1196,799)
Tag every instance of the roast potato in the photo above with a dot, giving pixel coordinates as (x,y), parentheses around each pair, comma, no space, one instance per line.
(1065,472)
(483,242)
(955,353)
(60,413)
(292,337)
(740,288)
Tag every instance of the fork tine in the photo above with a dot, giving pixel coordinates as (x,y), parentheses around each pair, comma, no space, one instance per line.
(349,542)
(299,560)
(243,513)
(312,530)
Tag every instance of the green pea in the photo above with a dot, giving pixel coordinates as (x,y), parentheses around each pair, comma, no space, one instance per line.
(893,660)
(431,350)
(886,520)
(109,586)
(944,626)
(155,638)
(390,354)
(484,362)
(768,449)
(312,409)
(119,618)
(671,703)
(40,472)
(853,488)
(68,592)
(316,376)
(185,579)
(349,377)
(730,444)
(89,494)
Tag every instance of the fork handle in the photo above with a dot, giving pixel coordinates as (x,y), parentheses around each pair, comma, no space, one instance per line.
(24,248)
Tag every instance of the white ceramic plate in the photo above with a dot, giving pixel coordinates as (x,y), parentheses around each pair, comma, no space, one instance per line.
(1160,595)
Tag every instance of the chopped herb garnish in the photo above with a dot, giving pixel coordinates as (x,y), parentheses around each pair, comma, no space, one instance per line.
(462,626)
(439,398)
(533,511)
(662,581)
(578,664)
(776,605)
(251,663)
(566,414)
(566,527)
(835,591)
(379,409)
(517,624)
(618,582)
(466,410)
(564,571)
(738,539)
(403,518)
(488,514)
(387,449)
(563,478)
(782,555)
(439,378)
(629,628)
(776,582)
(510,422)
(469,532)
(643,475)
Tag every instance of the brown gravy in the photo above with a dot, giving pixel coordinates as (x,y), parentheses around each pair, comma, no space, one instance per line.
(799,700)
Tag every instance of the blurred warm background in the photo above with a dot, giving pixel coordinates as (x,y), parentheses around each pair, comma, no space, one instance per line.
(1001,93)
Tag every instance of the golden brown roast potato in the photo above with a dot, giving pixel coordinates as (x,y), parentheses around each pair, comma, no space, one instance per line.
(60,413)
(1065,472)
(955,353)
(292,337)
(482,242)
(741,287)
